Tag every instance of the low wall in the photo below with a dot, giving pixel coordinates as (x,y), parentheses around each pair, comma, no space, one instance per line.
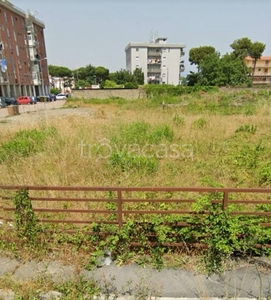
(109,93)
(140,93)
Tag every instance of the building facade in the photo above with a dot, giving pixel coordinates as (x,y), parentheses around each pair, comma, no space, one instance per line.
(23,62)
(262,74)
(160,62)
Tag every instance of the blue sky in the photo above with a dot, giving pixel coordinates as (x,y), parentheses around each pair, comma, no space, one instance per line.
(96,32)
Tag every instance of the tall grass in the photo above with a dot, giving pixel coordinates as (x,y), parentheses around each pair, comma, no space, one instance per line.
(200,136)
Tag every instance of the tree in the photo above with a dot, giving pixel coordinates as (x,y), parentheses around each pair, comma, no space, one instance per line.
(90,74)
(102,74)
(193,78)
(255,52)
(241,47)
(139,76)
(123,76)
(223,71)
(197,55)
(59,71)
(245,47)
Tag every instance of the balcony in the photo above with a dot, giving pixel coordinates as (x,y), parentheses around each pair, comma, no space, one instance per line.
(4,80)
(154,53)
(154,70)
(154,61)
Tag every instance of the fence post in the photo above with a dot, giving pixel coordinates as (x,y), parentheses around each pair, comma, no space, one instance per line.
(119,209)
(225,200)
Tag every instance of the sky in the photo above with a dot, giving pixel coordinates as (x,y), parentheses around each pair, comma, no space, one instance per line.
(96,32)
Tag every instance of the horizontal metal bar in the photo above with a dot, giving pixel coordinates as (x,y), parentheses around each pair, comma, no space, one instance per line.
(67,210)
(72,199)
(136,189)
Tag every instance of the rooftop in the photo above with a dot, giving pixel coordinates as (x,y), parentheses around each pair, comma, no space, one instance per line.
(153,45)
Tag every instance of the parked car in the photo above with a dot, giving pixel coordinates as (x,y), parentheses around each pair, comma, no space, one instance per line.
(2,102)
(43,98)
(52,97)
(26,100)
(61,96)
(11,101)
(6,101)
(34,99)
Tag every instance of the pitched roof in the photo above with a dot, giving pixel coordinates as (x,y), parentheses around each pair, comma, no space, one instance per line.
(262,58)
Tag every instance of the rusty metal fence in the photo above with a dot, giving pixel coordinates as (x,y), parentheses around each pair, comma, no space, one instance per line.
(81,205)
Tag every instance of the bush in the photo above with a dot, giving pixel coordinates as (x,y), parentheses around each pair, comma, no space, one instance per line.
(25,143)
(55,91)
(130,85)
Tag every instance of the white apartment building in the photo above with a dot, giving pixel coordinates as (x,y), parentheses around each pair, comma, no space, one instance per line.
(160,62)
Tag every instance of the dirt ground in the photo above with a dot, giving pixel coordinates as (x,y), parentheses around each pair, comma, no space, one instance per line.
(41,111)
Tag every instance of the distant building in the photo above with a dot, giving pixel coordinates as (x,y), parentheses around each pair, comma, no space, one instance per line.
(262,73)
(160,62)
(23,61)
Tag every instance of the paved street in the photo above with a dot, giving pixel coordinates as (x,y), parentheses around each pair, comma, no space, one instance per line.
(246,281)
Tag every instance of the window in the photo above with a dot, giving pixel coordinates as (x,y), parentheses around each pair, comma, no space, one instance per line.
(267,62)
(137,57)
(137,66)
(12,20)
(137,49)
(266,70)
(17,50)
(15,37)
(8,32)
(168,50)
(259,70)
(5,15)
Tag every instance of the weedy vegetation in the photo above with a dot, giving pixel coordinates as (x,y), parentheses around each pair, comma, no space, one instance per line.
(203,138)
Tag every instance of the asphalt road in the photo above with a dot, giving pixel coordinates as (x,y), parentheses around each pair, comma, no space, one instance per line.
(245,281)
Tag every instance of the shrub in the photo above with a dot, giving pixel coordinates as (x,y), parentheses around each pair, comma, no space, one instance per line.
(130,162)
(25,143)
(200,123)
(130,85)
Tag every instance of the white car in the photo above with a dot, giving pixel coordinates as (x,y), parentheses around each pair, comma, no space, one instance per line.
(61,97)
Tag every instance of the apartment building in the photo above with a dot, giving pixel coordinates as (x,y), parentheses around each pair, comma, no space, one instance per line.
(262,74)
(23,62)
(160,62)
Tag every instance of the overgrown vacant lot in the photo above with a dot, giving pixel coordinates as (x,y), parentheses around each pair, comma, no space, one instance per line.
(201,139)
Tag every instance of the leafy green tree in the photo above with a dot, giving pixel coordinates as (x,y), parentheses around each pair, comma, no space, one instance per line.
(245,47)
(193,78)
(222,71)
(102,74)
(139,76)
(90,74)
(59,71)
(197,55)
(123,76)
(255,52)
(241,47)
(210,70)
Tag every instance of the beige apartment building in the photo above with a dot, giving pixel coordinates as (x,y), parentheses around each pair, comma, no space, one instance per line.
(23,61)
(160,62)
(262,73)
